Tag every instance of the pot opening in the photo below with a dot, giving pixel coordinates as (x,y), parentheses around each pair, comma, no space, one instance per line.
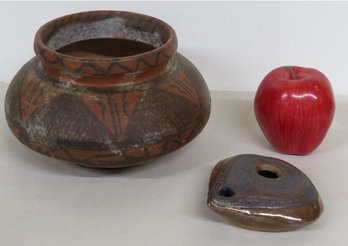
(105,48)
(107,37)
(269,171)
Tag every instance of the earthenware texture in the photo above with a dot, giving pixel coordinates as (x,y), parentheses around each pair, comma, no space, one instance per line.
(263,193)
(107,89)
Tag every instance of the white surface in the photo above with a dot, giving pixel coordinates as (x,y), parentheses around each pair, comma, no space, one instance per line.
(51,202)
(234,44)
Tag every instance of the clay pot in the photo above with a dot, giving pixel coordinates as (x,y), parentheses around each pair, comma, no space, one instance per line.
(107,89)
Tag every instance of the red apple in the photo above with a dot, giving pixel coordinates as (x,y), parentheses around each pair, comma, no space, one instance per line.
(294,107)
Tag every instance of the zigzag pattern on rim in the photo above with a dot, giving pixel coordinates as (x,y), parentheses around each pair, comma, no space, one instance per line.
(115,67)
(165,44)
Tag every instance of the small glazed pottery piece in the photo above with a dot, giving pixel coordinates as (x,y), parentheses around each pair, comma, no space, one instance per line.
(263,193)
(107,89)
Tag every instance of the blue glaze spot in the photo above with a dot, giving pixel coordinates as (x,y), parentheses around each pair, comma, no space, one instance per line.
(226,192)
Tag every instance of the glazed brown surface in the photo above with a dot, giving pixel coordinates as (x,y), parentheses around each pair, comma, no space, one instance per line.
(263,193)
(105,47)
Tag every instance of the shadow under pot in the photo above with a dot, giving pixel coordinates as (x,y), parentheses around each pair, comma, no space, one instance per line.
(107,89)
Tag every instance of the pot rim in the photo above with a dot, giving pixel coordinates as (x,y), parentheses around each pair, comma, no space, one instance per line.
(128,64)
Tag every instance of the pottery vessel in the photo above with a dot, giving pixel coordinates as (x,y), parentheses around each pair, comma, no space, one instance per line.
(107,89)
(263,193)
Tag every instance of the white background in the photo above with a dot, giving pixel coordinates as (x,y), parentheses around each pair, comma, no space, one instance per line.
(234,44)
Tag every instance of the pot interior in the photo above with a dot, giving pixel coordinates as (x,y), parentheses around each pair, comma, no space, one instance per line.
(115,36)
(105,47)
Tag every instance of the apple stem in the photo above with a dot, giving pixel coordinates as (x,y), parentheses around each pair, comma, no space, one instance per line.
(292,73)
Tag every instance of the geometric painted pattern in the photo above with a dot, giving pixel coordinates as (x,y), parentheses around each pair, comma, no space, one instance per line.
(110,112)
(107,129)
(132,64)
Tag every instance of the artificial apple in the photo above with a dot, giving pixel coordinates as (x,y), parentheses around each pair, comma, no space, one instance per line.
(294,107)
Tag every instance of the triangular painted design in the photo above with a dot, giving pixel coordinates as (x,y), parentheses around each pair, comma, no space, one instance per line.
(33,96)
(181,86)
(113,110)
